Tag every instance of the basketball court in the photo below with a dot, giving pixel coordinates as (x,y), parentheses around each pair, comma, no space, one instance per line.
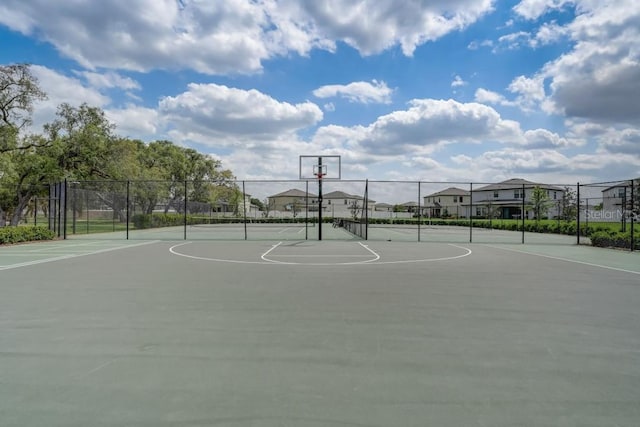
(308,324)
(317,333)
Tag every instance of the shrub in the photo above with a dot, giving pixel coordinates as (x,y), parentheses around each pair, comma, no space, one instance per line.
(10,235)
(608,239)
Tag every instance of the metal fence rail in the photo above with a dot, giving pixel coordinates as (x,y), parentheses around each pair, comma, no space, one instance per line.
(513,211)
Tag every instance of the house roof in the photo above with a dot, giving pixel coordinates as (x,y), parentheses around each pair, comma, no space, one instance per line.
(409,204)
(343,195)
(623,184)
(515,183)
(451,191)
(293,192)
(340,195)
(383,205)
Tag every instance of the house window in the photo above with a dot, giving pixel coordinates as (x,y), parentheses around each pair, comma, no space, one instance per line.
(518,194)
(455,199)
(478,211)
(621,192)
(460,199)
(345,201)
(555,195)
(495,195)
(329,202)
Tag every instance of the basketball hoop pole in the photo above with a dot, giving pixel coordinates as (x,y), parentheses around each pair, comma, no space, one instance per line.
(320,198)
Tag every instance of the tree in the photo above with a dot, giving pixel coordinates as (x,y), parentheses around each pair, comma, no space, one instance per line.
(354,207)
(539,202)
(87,140)
(19,91)
(568,205)
(28,174)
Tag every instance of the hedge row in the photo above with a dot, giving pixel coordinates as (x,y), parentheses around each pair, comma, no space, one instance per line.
(615,239)
(142,221)
(21,234)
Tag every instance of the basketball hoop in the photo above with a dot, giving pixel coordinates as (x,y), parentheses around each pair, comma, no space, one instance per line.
(319,171)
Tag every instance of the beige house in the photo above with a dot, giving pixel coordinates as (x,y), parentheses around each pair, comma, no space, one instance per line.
(506,199)
(294,201)
(452,202)
(341,204)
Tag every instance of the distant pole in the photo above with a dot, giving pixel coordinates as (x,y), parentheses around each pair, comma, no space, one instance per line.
(419,211)
(578,215)
(185,210)
(523,208)
(244,209)
(306,202)
(471,212)
(127,207)
(64,231)
(633,216)
(319,198)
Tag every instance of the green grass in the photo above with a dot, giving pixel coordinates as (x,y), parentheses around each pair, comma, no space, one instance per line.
(95,226)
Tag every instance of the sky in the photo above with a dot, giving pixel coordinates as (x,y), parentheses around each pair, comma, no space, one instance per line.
(429,90)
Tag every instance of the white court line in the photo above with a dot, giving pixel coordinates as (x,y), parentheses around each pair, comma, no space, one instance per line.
(269,261)
(567,260)
(449,258)
(172,249)
(69,256)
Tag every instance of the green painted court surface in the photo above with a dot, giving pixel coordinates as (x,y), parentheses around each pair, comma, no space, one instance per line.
(294,332)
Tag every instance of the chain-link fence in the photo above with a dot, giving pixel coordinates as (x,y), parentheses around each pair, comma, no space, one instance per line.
(609,213)
(513,211)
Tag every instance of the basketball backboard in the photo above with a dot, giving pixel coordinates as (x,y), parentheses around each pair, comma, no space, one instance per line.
(320,166)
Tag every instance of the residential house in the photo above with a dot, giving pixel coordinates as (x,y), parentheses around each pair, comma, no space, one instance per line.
(505,199)
(451,202)
(341,204)
(616,200)
(293,201)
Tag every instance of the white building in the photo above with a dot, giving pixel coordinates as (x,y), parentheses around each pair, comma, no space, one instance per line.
(452,202)
(340,205)
(505,199)
(616,201)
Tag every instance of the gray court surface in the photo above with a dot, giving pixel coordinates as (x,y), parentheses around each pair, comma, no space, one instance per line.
(309,333)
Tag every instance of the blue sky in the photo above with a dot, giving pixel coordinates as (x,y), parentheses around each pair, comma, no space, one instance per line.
(434,90)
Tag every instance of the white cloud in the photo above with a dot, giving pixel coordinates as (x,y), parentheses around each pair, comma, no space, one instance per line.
(548,33)
(476,44)
(513,41)
(233,36)
(599,78)
(135,122)
(218,115)
(61,89)
(543,138)
(426,125)
(530,91)
(457,82)
(533,9)
(109,80)
(485,96)
(361,92)
(549,165)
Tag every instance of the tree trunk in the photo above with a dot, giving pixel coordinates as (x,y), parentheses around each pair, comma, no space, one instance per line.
(17,213)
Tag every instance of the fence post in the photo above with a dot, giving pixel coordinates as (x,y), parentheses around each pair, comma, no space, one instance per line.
(419,211)
(64,231)
(578,216)
(185,211)
(127,209)
(471,212)
(244,210)
(523,210)
(306,210)
(633,217)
